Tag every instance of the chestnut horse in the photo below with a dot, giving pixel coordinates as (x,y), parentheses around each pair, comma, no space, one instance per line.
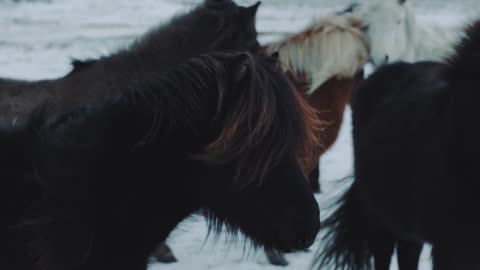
(324,63)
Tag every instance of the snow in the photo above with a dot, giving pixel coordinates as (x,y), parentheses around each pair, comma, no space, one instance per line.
(39,38)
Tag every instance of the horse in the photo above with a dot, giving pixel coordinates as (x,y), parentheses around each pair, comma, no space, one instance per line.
(213,25)
(325,63)
(416,156)
(222,132)
(394,33)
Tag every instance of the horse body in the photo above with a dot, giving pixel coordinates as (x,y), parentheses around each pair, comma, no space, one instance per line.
(415,165)
(422,105)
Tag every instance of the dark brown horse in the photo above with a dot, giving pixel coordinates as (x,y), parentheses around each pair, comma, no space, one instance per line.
(222,132)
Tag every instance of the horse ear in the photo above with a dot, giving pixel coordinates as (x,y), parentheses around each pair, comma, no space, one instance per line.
(253,9)
(350,9)
(242,67)
(275,55)
(273,58)
(250,12)
(364,27)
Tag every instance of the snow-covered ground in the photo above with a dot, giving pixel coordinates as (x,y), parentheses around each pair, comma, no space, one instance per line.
(38,39)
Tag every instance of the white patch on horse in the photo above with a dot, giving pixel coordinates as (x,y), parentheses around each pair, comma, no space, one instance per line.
(333,46)
(394,33)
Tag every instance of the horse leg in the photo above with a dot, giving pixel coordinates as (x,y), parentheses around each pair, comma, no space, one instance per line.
(276,257)
(164,254)
(408,254)
(382,245)
(314,178)
(120,251)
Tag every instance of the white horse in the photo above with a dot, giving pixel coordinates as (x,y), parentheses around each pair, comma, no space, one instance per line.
(394,34)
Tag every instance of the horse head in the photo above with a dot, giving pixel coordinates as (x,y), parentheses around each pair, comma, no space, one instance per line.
(259,154)
(388,27)
(236,25)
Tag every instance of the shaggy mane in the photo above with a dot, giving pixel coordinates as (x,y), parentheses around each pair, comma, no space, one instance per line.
(331,47)
(260,118)
(253,122)
(263,120)
(465,60)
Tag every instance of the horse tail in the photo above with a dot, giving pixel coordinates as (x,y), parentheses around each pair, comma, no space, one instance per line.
(463,64)
(346,240)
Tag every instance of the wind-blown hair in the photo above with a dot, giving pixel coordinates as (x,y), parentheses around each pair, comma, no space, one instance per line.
(256,124)
(464,61)
(331,47)
(249,114)
(251,130)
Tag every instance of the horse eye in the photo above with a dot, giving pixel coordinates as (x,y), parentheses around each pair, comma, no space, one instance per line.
(399,22)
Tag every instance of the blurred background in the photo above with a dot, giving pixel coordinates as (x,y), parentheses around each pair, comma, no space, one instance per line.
(38,39)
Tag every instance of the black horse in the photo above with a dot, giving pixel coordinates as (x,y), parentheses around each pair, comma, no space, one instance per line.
(416,161)
(222,132)
(213,26)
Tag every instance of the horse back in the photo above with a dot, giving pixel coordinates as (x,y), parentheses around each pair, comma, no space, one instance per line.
(400,140)
(396,84)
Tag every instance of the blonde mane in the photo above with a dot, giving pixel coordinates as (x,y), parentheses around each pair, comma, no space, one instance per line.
(331,47)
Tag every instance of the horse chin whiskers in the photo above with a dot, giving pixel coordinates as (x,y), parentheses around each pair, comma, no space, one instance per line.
(218,226)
